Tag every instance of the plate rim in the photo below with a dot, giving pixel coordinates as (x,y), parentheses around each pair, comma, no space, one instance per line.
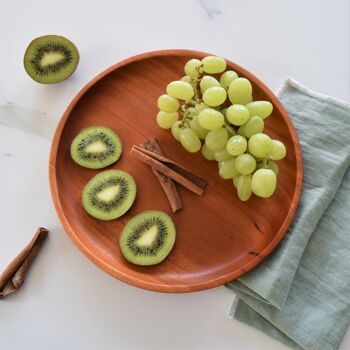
(174,288)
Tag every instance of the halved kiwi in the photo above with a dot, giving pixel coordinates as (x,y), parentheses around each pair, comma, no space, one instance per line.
(109,194)
(148,238)
(51,59)
(96,147)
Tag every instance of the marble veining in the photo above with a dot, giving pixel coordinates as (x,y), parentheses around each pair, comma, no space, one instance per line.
(211,7)
(32,121)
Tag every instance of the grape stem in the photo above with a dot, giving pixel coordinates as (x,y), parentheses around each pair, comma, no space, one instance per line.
(195,82)
(185,114)
(197,98)
(266,162)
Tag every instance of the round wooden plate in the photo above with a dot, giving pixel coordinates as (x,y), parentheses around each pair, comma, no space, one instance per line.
(219,238)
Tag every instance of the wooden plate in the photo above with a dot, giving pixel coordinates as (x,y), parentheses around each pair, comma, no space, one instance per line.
(219,238)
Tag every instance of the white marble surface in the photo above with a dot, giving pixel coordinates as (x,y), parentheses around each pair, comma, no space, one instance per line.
(67,303)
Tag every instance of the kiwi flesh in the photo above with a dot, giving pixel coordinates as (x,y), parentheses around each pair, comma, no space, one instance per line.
(51,59)
(109,194)
(148,238)
(96,147)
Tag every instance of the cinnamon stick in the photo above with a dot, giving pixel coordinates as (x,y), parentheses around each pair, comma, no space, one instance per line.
(166,182)
(196,179)
(171,169)
(13,276)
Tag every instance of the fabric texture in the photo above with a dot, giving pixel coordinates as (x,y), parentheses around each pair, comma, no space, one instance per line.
(300,294)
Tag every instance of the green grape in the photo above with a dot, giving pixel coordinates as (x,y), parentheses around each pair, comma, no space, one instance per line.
(237,114)
(207,82)
(207,153)
(211,119)
(191,111)
(236,145)
(176,129)
(166,120)
(260,108)
(224,111)
(245,164)
(244,187)
(189,80)
(213,64)
(189,140)
(227,78)
(264,183)
(235,180)
(241,131)
(200,107)
(230,130)
(249,99)
(216,139)
(214,96)
(278,150)
(253,126)
(240,91)
(273,166)
(227,169)
(270,165)
(186,79)
(180,89)
(200,131)
(168,104)
(260,145)
(193,68)
(222,155)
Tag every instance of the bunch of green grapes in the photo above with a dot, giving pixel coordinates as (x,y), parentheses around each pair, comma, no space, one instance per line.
(217,116)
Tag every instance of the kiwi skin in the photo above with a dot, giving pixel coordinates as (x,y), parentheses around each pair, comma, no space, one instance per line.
(133,230)
(101,209)
(51,73)
(92,160)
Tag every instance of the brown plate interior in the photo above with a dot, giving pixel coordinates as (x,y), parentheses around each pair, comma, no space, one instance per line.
(218,237)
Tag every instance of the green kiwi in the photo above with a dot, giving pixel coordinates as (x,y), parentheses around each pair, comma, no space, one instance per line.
(96,147)
(109,194)
(148,238)
(50,59)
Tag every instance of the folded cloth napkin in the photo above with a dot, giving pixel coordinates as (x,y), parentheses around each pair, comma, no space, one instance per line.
(300,294)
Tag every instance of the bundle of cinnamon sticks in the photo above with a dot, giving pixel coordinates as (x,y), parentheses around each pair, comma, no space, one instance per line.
(168,172)
(14,274)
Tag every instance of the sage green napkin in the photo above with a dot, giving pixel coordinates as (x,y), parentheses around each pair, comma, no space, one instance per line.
(300,294)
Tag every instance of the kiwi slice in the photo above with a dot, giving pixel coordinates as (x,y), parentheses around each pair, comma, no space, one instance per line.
(50,59)
(148,238)
(109,194)
(96,147)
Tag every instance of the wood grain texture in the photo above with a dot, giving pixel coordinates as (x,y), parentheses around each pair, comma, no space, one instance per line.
(218,237)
